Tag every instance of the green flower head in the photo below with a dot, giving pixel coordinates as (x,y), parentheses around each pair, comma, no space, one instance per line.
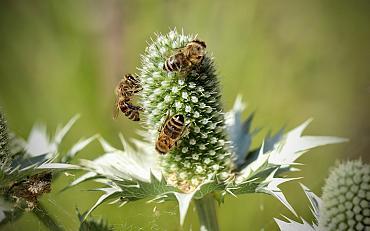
(4,142)
(204,150)
(346,198)
(345,202)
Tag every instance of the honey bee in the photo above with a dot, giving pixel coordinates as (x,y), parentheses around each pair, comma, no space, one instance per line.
(131,111)
(185,58)
(125,91)
(170,133)
(128,86)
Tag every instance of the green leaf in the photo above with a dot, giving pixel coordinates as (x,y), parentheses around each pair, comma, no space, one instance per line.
(76,148)
(108,194)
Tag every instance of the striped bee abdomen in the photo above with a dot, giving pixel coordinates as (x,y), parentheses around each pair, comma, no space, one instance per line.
(170,133)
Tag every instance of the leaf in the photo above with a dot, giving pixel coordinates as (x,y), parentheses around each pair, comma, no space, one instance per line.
(23,163)
(59,166)
(108,194)
(83,178)
(77,148)
(129,164)
(268,145)
(293,225)
(260,164)
(294,145)
(61,132)
(106,146)
(239,132)
(272,189)
(315,201)
(38,141)
(208,187)
(184,200)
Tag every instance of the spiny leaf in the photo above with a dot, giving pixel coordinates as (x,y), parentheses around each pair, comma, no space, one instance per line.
(108,194)
(77,148)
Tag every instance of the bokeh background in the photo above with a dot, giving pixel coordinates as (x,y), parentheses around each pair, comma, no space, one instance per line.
(290,60)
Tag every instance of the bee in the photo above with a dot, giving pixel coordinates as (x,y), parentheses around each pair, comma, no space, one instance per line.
(185,58)
(131,111)
(170,133)
(128,86)
(125,91)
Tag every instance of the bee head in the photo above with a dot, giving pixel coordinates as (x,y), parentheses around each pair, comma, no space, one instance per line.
(201,43)
(179,117)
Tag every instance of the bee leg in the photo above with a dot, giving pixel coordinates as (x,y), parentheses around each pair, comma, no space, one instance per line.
(165,121)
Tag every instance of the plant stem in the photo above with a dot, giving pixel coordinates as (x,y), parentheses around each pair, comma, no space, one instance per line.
(43,215)
(206,209)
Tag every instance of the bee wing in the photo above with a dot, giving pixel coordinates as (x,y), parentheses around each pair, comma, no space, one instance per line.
(115,110)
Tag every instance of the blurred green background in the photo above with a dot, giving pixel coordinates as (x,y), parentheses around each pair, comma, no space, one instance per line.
(290,60)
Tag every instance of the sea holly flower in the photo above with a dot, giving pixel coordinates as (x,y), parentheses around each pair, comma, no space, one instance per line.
(213,157)
(28,167)
(344,204)
(191,94)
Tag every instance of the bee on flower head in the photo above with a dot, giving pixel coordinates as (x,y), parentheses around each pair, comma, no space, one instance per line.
(170,133)
(126,89)
(184,59)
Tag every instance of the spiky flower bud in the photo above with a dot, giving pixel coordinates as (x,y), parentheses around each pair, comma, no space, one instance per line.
(346,198)
(204,149)
(4,142)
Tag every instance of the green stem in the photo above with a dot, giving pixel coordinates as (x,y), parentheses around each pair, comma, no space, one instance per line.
(43,215)
(206,209)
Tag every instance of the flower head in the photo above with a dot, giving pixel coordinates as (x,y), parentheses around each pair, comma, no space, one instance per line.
(345,202)
(346,198)
(28,167)
(4,143)
(195,94)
